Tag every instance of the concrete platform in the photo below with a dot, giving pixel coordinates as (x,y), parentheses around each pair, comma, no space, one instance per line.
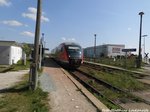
(100,106)
(65,93)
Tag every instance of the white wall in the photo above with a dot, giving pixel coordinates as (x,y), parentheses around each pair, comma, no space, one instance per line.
(15,54)
(115,50)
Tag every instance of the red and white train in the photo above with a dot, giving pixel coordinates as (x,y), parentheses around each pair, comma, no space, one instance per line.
(68,54)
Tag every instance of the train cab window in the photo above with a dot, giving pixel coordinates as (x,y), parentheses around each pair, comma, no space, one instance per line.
(62,49)
(74,49)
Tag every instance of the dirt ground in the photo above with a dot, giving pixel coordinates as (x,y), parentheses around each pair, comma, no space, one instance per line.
(63,94)
(9,79)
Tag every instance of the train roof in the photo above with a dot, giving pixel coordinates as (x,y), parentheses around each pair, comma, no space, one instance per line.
(70,43)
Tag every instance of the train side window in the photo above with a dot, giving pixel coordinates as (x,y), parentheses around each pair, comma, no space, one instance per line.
(62,49)
(59,48)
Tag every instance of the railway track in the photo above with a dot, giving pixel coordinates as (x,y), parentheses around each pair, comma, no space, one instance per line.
(83,80)
(90,81)
(110,69)
(105,91)
(139,76)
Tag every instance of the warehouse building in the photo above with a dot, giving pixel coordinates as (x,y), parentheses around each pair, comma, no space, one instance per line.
(10,52)
(106,50)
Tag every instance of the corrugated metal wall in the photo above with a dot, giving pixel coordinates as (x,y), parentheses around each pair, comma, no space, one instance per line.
(109,50)
(4,55)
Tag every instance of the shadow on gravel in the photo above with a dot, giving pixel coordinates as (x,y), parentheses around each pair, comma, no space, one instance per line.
(14,90)
(50,63)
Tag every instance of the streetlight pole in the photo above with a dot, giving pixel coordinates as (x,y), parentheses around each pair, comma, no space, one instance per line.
(36,48)
(94,47)
(139,56)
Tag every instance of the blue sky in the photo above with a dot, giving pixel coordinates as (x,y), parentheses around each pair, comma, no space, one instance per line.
(114,21)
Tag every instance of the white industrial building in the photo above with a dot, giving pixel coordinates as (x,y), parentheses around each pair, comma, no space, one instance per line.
(10,52)
(106,50)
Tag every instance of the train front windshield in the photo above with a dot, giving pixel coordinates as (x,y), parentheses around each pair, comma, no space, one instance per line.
(74,51)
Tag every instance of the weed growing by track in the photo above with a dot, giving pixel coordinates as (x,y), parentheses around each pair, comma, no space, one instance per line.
(121,80)
(105,91)
(119,62)
(107,103)
(108,95)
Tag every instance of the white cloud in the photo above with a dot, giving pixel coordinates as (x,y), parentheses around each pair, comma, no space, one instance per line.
(68,39)
(13,23)
(63,38)
(72,39)
(129,29)
(32,10)
(26,25)
(27,33)
(5,3)
(44,19)
(31,14)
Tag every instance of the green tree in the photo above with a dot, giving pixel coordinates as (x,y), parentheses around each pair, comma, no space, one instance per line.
(27,49)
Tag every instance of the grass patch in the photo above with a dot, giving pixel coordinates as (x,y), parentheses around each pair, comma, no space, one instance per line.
(107,103)
(20,99)
(122,80)
(20,66)
(15,67)
(107,92)
(110,94)
(129,63)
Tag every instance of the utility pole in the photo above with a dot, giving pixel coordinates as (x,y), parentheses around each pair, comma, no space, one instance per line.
(34,77)
(94,47)
(140,35)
